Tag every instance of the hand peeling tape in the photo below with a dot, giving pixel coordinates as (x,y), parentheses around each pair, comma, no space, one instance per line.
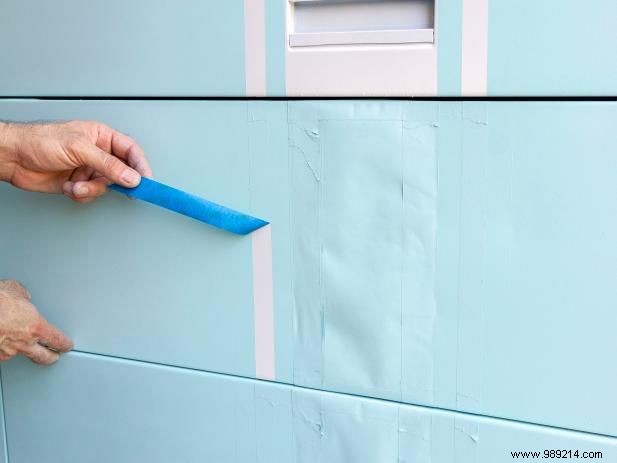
(192,206)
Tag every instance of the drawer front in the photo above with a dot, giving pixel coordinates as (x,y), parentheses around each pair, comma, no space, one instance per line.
(88,409)
(114,47)
(457,255)
(239,48)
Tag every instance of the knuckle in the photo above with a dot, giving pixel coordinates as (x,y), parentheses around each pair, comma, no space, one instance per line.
(108,162)
(112,164)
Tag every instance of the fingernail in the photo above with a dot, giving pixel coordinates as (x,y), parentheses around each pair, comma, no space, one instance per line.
(80,190)
(131,177)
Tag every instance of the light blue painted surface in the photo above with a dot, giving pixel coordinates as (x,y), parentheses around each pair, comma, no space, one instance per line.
(91,409)
(552,48)
(134,280)
(196,48)
(114,47)
(276,45)
(362,307)
(448,35)
(515,244)
(549,256)
(475,274)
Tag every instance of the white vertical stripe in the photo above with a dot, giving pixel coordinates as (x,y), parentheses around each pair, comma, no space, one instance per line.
(255,47)
(474,53)
(263,302)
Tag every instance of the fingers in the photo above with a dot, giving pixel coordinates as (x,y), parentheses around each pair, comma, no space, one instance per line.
(85,191)
(51,337)
(37,353)
(14,289)
(23,330)
(125,148)
(107,164)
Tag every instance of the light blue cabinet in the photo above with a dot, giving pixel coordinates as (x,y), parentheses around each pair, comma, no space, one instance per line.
(140,47)
(89,409)
(442,272)
(455,255)
(242,47)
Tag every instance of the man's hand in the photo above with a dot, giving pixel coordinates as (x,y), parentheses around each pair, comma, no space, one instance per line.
(24,331)
(78,158)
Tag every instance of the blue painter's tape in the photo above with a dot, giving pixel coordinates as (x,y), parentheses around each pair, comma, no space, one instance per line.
(192,206)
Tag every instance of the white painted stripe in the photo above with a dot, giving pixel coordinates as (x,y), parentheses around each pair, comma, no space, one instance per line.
(263,302)
(255,47)
(474,53)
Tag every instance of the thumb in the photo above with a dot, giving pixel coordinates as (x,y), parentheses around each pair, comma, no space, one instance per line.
(107,164)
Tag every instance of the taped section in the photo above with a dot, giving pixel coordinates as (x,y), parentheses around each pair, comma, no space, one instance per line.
(470,346)
(466,439)
(414,435)
(418,304)
(365,214)
(263,301)
(337,428)
(447,251)
(474,52)
(255,47)
(361,212)
(273,424)
(306,175)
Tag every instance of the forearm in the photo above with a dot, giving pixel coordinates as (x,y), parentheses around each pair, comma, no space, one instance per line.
(8,150)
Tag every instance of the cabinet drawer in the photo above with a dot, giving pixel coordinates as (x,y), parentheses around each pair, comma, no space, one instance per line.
(90,409)
(300,48)
(457,255)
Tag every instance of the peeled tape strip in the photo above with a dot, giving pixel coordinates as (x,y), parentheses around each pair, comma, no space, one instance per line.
(192,206)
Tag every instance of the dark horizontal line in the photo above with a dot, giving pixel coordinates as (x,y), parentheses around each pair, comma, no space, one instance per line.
(296,98)
(346,394)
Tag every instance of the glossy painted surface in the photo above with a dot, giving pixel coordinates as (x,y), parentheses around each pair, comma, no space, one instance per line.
(552,48)
(457,255)
(197,48)
(114,47)
(91,409)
